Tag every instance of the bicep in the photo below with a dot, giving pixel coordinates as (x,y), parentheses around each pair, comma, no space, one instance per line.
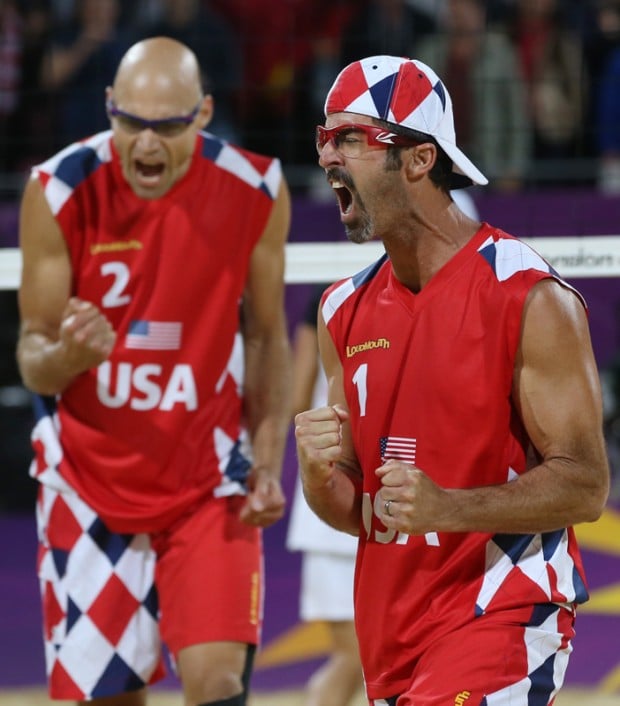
(46,269)
(556,385)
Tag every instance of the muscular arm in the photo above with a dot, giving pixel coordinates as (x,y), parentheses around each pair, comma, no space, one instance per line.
(556,392)
(60,336)
(268,366)
(329,470)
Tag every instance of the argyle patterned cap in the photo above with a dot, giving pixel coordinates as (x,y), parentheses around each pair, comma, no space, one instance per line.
(404,92)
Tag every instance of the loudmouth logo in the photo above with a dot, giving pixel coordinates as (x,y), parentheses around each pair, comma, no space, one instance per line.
(367,346)
(115,246)
(386,137)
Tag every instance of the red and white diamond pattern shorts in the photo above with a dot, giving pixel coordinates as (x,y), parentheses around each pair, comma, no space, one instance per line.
(102,611)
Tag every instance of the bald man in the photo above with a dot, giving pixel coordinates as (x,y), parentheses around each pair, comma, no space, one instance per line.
(153,335)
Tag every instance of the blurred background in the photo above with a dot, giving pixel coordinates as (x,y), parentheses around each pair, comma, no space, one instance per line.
(536,90)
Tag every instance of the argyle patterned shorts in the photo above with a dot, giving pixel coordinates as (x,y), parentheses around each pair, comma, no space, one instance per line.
(91,650)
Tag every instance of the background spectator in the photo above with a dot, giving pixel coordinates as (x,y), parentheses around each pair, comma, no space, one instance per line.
(276,38)
(601,38)
(33,133)
(24,129)
(601,134)
(286,53)
(482,74)
(609,125)
(551,57)
(213,40)
(323,66)
(385,27)
(11,47)
(80,64)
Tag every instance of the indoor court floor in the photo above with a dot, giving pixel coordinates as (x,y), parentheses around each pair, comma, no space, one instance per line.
(36,697)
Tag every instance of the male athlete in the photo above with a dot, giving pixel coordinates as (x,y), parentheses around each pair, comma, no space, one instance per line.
(463,433)
(153,331)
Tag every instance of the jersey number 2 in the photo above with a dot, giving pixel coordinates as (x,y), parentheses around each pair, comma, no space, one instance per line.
(114,296)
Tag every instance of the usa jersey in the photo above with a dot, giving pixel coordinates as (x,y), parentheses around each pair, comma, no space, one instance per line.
(159,425)
(428,380)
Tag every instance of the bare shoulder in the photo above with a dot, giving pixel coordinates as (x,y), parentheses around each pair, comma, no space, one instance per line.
(46,270)
(276,230)
(267,261)
(554,311)
(39,232)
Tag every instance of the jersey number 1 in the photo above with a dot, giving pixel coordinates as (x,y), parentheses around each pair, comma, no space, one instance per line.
(359,380)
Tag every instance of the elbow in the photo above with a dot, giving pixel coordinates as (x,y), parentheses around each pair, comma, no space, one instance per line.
(597,498)
(27,380)
(40,384)
(594,514)
(39,387)
(598,507)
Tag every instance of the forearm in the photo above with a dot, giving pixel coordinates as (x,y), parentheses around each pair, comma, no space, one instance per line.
(49,361)
(553,495)
(336,499)
(267,392)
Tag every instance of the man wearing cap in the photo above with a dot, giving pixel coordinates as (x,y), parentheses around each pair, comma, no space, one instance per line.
(463,434)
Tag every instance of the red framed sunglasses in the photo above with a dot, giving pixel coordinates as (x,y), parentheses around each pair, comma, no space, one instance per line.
(352,140)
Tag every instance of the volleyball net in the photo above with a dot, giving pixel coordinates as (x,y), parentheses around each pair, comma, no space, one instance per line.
(573,257)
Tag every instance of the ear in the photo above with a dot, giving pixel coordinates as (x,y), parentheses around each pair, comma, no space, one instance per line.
(205,114)
(420,160)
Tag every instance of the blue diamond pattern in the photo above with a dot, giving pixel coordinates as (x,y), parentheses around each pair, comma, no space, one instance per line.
(111,544)
(77,166)
(117,677)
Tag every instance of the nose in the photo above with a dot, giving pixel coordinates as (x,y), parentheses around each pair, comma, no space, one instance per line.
(328,154)
(148,139)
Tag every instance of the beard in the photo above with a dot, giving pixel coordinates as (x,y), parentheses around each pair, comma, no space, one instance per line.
(360,229)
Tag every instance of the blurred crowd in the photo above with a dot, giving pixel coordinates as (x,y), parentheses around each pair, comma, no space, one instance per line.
(536,83)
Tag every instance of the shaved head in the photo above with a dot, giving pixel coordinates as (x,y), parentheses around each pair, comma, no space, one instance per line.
(159,67)
(157,82)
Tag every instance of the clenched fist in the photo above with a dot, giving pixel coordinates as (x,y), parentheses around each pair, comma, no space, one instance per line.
(86,336)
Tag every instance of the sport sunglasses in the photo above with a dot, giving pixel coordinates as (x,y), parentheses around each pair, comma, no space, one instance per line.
(348,140)
(164,127)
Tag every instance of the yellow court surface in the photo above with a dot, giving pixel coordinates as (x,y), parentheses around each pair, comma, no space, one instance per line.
(36,697)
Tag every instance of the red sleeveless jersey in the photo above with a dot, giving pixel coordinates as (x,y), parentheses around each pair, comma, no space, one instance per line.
(428,380)
(158,426)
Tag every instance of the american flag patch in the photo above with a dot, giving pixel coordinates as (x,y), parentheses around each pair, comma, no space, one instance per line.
(154,335)
(401,448)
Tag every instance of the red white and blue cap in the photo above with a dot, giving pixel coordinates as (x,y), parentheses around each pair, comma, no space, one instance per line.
(404,92)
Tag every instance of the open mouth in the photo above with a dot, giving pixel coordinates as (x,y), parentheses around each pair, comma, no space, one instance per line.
(149,172)
(343,194)
(345,199)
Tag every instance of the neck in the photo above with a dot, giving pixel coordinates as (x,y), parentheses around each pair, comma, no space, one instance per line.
(418,253)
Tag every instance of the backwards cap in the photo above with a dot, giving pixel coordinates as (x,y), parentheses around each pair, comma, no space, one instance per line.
(403,92)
